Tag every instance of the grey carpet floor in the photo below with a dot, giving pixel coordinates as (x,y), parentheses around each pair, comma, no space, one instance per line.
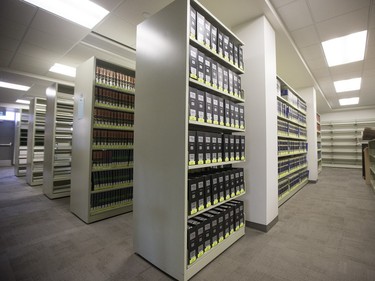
(325,232)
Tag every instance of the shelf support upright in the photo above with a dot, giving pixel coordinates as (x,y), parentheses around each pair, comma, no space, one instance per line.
(309,95)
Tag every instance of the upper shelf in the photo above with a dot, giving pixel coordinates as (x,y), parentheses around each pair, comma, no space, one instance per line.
(225,62)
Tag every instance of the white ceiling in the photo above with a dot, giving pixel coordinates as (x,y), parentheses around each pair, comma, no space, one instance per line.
(32,40)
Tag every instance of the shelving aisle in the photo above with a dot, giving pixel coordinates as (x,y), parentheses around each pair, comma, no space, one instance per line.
(35,141)
(292,142)
(58,141)
(319,143)
(190,133)
(102,163)
(371,147)
(342,143)
(20,145)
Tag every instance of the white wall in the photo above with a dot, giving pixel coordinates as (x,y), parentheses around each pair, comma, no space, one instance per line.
(350,115)
(259,83)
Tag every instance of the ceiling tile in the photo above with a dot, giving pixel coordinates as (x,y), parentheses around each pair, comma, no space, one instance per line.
(323,10)
(372,17)
(8,44)
(109,5)
(38,53)
(369,67)
(30,64)
(321,72)
(354,68)
(305,36)
(295,15)
(132,10)
(53,43)
(12,29)
(370,48)
(5,58)
(343,25)
(10,96)
(17,11)
(249,10)
(125,35)
(314,56)
(279,3)
(343,75)
(57,26)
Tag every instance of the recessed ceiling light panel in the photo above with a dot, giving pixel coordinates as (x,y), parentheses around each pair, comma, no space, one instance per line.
(83,12)
(63,69)
(23,101)
(349,101)
(347,85)
(14,86)
(345,49)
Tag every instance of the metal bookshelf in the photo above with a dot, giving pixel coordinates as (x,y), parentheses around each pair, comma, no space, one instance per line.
(342,143)
(102,164)
(319,142)
(162,167)
(58,141)
(371,147)
(292,141)
(20,144)
(35,141)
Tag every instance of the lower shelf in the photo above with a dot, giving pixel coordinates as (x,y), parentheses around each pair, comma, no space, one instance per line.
(286,195)
(59,194)
(109,212)
(213,253)
(342,166)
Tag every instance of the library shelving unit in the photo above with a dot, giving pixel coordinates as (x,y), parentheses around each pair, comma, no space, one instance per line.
(102,162)
(371,148)
(172,213)
(58,141)
(292,142)
(20,143)
(342,143)
(35,141)
(319,142)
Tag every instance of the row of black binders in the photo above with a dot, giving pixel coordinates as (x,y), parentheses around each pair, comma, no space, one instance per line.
(207,148)
(209,229)
(209,108)
(208,35)
(208,188)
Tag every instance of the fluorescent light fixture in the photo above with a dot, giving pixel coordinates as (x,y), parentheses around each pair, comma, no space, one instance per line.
(348,85)
(63,69)
(23,101)
(345,49)
(349,101)
(83,12)
(14,86)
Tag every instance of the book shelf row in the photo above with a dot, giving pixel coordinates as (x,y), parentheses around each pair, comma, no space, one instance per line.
(102,183)
(208,188)
(210,34)
(207,148)
(287,166)
(206,231)
(212,109)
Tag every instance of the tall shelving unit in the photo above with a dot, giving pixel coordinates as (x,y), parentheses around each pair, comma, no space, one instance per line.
(164,220)
(58,141)
(20,145)
(371,148)
(292,141)
(35,141)
(319,142)
(342,143)
(102,162)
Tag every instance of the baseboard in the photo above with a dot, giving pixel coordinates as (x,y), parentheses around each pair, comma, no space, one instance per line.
(313,181)
(5,163)
(262,227)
